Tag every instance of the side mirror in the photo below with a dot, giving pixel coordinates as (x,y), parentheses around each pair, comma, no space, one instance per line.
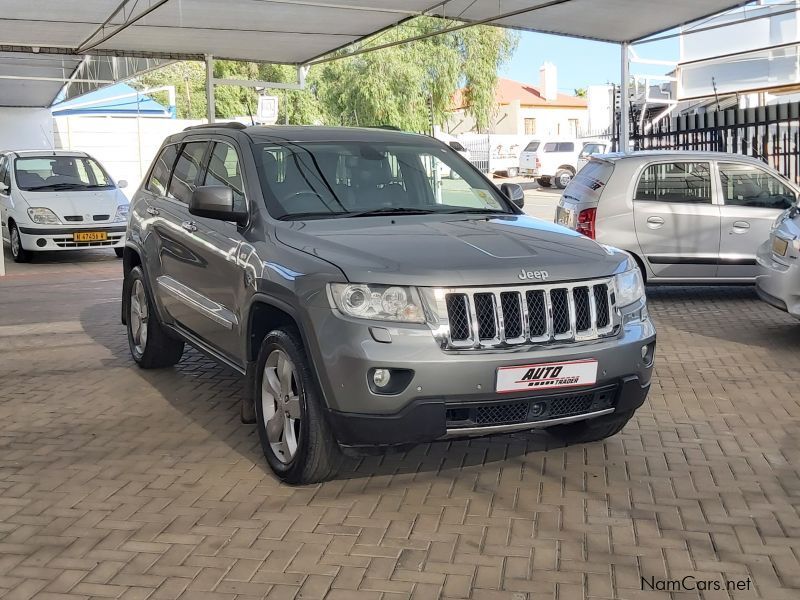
(515,193)
(216,202)
(122,184)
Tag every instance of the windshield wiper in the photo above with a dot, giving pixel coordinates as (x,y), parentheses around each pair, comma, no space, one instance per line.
(57,186)
(311,215)
(391,210)
(479,211)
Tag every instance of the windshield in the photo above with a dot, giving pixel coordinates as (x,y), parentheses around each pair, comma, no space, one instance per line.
(55,173)
(347,179)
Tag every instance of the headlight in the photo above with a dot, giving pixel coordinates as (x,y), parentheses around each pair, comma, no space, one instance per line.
(122,213)
(380,302)
(43,216)
(629,287)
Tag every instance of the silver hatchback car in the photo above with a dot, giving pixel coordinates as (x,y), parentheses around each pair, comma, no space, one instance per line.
(778,281)
(688,217)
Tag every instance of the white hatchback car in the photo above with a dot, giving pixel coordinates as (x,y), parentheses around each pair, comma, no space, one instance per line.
(58,200)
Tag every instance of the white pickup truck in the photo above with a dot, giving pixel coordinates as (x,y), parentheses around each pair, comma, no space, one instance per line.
(556,161)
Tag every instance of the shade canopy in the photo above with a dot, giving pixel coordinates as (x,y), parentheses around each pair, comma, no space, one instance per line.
(43,42)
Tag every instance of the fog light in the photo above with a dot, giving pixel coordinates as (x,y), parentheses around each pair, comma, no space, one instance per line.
(41,242)
(381,377)
(537,409)
(644,351)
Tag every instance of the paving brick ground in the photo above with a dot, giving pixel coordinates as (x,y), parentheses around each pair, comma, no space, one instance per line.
(120,483)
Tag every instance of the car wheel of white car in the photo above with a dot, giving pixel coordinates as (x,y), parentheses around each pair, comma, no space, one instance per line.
(543,181)
(563,177)
(150,345)
(18,253)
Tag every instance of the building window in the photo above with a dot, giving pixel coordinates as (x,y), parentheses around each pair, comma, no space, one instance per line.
(573,127)
(530,126)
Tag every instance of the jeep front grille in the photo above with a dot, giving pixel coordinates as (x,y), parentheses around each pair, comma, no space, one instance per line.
(513,316)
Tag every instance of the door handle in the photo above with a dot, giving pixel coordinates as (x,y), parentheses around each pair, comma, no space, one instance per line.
(189,226)
(152,211)
(741,226)
(654,222)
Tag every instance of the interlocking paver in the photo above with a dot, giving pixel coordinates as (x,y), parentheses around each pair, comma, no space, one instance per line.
(121,483)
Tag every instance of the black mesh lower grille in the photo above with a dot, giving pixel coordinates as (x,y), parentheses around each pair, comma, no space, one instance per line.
(495,414)
(571,405)
(530,410)
(484,310)
(558,298)
(583,315)
(512,314)
(458,314)
(601,302)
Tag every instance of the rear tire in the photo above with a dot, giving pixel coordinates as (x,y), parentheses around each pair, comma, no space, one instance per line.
(591,430)
(18,253)
(119,252)
(543,181)
(150,345)
(562,178)
(295,436)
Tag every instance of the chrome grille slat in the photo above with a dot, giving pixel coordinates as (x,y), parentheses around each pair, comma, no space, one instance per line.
(492,317)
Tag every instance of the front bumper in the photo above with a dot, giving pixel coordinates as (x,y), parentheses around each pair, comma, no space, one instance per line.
(778,283)
(61,237)
(457,381)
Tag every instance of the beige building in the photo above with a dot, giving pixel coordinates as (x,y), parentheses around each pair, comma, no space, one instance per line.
(525,109)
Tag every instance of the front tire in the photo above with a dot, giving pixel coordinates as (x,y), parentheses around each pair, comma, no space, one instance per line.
(295,437)
(544,182)
(150,345)
(591,430)
(18,253)
(562,178)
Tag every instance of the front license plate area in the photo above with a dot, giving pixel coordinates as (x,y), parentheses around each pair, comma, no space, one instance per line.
(779,246)
(547,376)
(89,236)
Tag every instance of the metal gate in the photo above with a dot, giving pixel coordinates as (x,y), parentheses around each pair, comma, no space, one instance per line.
(478,151)
(771,133)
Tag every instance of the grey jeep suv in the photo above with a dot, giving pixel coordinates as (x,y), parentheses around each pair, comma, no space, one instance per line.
(370,301)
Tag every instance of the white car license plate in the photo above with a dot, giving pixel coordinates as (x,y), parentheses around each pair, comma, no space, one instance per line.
(564,216)
(547,376)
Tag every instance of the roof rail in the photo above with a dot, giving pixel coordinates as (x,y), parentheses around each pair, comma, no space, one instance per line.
(231,125)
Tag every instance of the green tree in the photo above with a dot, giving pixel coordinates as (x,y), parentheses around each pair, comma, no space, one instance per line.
(580,92)
(405,86)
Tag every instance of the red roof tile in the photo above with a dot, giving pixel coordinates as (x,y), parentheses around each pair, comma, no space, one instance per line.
(509,90)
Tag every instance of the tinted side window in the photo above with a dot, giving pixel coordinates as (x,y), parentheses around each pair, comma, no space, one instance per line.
(184,177)
(3,170)
(675,182)
(746,185)
(223,169)
(550,147)
(159,178)
(532,147)
(566,147)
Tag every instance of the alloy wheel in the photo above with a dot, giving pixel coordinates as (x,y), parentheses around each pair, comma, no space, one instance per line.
(15,242)
(139,316)
(280,402)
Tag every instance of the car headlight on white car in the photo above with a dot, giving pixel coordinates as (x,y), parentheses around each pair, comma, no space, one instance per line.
(43,216)
(379,302)
(122,213)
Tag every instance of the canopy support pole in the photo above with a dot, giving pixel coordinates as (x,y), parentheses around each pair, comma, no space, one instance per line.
(2,252)
(624,93)
(210,101)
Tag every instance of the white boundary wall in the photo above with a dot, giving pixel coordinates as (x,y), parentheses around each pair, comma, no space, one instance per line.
(25,129)
(124,145)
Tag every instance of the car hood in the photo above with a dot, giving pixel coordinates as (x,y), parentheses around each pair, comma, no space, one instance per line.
(86,204)
(452,251)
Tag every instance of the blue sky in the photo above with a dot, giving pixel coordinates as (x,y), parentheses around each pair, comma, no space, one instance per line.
(580,62)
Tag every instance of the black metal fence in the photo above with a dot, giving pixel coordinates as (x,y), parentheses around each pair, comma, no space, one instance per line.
(771,133)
